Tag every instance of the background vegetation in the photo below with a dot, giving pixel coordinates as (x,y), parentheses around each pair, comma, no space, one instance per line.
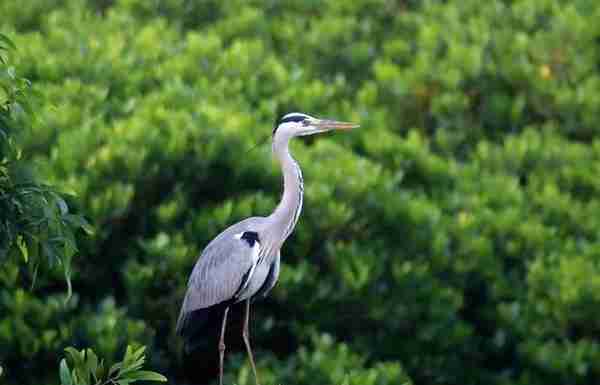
(453,239)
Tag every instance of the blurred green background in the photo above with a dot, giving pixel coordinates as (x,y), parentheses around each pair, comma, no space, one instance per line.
(453,239)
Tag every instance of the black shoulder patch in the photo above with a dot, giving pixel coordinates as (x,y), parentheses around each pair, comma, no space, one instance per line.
(250,237)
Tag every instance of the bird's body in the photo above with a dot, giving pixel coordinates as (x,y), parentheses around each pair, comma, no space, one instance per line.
(242,262)
(206,285)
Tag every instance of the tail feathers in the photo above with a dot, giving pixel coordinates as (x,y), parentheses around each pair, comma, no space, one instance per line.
(197,327)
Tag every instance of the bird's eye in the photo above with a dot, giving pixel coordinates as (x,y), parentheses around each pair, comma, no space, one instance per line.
(306,122)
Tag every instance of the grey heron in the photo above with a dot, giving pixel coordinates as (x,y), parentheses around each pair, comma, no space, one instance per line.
(242,262)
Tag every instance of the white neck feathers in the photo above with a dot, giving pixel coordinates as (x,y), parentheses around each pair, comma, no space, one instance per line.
(285,216)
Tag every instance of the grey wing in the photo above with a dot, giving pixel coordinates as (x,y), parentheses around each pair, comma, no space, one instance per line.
(221,269)
(271,279)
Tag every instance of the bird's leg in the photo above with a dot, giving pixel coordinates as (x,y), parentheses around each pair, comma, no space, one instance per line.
(222,346)
(247,340)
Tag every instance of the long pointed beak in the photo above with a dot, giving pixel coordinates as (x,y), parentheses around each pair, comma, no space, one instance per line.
(327,124)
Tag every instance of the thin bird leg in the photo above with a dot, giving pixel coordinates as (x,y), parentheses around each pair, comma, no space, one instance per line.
(222,346)
(247,340)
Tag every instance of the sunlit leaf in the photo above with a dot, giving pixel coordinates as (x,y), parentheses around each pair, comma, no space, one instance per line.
(65,373)
(145,375)
(5,40)
(75,355)
(91,362)
(23,247)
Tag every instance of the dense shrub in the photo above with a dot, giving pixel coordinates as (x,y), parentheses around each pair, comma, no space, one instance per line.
(452,239)
(38,230)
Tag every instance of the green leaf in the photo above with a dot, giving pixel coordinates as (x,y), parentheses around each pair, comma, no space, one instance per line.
(139,354)
(23,248)
(69,284)
(91,362)
(128,358)
(34,274)
(65,373)
(115,368)
(80,221)
(64,209)
(146,375)
(100,371)
(76,356)
(133,360)
(4,39)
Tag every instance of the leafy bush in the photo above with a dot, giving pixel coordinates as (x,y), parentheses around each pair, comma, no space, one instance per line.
(452,239)
(87,370)
(37,224)
(37,218)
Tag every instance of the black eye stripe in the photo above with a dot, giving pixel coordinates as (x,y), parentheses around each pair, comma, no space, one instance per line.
(288,119)
(294,118)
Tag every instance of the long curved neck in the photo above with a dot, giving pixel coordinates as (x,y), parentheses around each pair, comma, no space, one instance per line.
(284,218)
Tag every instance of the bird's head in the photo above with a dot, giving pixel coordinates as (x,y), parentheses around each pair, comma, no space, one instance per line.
(299,124)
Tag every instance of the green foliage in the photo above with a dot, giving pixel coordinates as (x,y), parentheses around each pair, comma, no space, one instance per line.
(37,218)
(36,223)
(452,239)
(86,369)
(324,362)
